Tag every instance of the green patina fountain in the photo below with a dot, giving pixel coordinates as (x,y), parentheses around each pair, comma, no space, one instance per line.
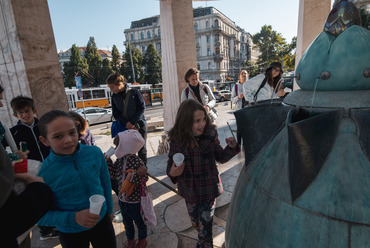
(306,179)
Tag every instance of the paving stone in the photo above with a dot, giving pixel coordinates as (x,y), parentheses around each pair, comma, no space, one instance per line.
(176,217)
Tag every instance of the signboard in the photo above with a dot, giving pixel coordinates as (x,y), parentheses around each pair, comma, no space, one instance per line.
(80,94)
(78,82)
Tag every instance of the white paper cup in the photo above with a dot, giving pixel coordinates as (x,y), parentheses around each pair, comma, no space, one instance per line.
(110,152)
(96,201)
(178,158)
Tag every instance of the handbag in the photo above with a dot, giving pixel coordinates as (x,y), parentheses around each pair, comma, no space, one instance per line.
(146,206)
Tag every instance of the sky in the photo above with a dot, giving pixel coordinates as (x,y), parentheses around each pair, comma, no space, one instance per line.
(75,21)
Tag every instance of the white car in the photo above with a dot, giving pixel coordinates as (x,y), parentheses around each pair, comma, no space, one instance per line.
(96,115)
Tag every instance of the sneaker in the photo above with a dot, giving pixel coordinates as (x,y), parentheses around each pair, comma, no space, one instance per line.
(51,235)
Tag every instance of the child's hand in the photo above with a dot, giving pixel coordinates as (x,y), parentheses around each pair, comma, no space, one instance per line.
(177,170)
(22,155)
(141,171)
(86,219)
(129,176)
(106,157)
(28,178)
(231,142)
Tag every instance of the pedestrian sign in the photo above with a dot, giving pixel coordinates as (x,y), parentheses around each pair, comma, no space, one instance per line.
(78,82)
(80,93)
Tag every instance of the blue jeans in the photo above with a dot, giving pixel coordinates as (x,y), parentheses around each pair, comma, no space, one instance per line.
(130,213)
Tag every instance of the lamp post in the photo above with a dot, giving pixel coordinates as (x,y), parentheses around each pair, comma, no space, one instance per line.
(132,63)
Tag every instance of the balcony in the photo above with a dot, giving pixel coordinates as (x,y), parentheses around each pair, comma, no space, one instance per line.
(218,57)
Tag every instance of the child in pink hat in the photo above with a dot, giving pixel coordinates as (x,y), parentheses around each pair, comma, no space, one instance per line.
(128,143)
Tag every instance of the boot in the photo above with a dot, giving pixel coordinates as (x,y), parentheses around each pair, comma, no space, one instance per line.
(141,243)
(130,243)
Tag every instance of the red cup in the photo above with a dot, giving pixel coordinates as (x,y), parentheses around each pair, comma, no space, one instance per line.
(21,167)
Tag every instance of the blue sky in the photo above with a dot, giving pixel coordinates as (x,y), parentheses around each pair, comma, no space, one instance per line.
(74,21)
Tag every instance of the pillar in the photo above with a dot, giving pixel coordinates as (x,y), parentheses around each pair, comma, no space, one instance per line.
(29,63)
(178,53)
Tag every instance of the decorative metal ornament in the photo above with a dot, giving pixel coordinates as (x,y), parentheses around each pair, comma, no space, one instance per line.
(342,16)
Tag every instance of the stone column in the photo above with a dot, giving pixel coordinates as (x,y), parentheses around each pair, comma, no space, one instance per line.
(29,61)
(178,53)
(311,20)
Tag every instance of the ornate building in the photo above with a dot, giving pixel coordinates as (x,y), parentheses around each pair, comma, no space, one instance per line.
(362,3)
(221,46)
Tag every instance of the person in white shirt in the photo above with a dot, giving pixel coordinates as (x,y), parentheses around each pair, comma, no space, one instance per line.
(237,96)
(265,86)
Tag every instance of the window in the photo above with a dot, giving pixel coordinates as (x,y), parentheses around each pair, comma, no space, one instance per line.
(132,36)
(98,93)
(208,51)
(87,95)
(207,25)
(198,66)
(90,111)
(208,39)
(159,32)
(198,52)
(209,65)
(148,34)
(143,48)
(216,23)
(142,35)
(217,50)
(196,26)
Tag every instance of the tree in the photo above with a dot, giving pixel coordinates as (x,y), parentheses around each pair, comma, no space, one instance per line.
(251,68)
(365,18)
(116,58)
(126,68)
(106,70)
(153,65)
(93,60)
(271,45)
(75,64)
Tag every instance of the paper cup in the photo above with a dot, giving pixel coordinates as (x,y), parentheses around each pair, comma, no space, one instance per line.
(96,201)
(178,158)
(110,152)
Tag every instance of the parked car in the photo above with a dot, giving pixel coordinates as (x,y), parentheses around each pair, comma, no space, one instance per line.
(96,115)
(222,95)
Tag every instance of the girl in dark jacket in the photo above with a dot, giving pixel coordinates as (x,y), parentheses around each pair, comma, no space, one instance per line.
(197,177)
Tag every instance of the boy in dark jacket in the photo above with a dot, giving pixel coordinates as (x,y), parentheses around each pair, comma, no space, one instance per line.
(27,131)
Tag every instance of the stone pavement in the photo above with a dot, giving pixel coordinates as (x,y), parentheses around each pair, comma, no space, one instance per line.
(173,223)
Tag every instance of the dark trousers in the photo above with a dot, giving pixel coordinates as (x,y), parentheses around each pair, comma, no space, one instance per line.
(21,212)
(130,213)
(101,236)
(142,154)
(201,216)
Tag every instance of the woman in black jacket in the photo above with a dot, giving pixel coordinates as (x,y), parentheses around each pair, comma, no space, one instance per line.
(128,108)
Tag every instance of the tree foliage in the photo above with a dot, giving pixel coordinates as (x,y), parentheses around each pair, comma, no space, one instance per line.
(116,58)
(252,68)
(153,65)
(106,70)
(273,47)
(75,64)
(365,18)
(126,68)
(94,61)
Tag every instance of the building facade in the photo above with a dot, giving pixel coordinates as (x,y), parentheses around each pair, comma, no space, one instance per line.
(221,46)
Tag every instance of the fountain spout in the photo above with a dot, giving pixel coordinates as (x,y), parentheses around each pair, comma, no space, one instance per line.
(325,75)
